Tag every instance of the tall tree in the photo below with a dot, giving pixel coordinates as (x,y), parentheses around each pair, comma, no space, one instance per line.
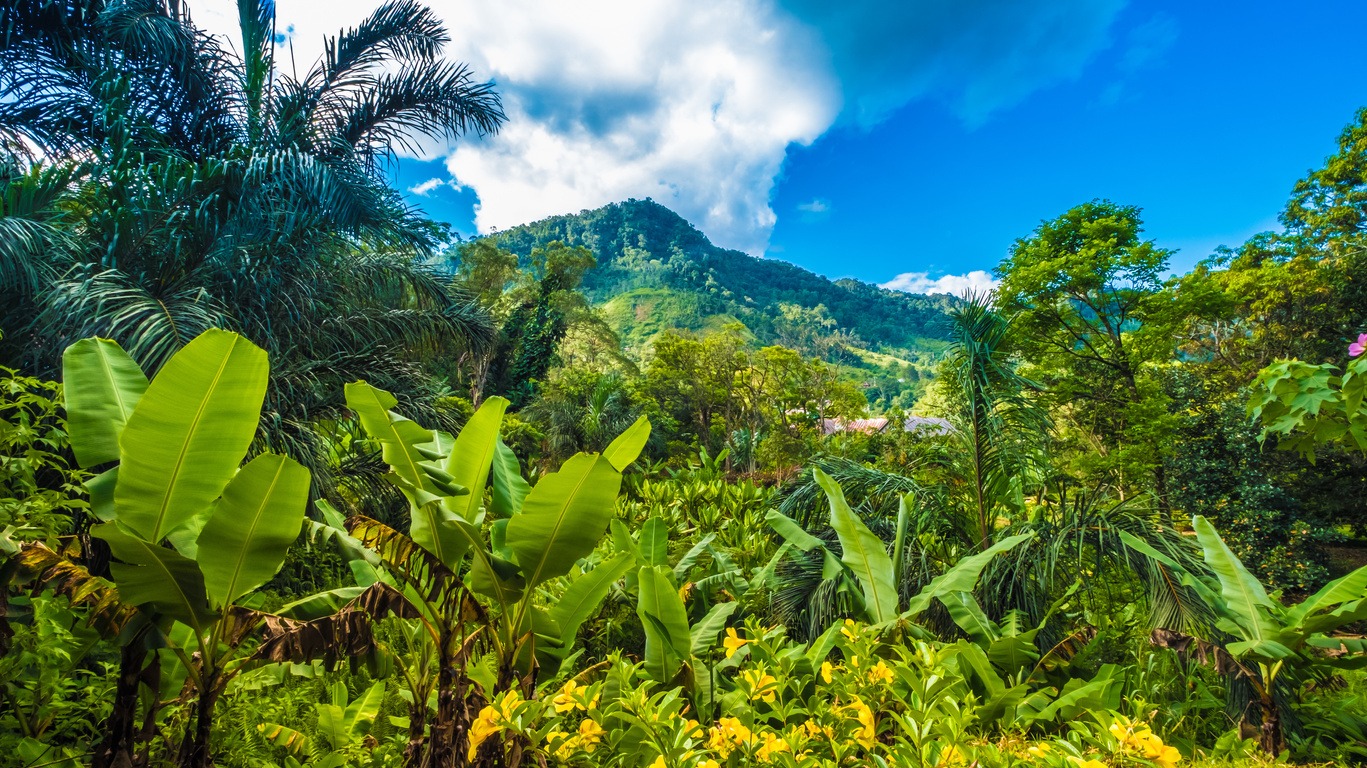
(1082,287)
(157,184)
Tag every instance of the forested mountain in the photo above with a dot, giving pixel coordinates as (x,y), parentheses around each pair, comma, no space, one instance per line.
(657,271)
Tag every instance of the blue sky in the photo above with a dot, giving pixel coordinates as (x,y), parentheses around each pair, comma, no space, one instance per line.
(918,139)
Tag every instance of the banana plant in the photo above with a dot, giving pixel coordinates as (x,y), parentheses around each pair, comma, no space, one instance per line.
(192,529)
(1273,646)
(470,569)
(866,569)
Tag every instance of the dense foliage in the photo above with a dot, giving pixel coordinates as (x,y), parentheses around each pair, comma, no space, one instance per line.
(276,489)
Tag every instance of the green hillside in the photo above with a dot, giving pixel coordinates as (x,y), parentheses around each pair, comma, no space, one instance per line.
(656,271)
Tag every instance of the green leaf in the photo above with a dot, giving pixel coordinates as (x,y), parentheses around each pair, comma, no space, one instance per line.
(624,449)
(965,612)
(399,437)
(510,490)
(189,432)
(703,636)
(101,489)
(665,621)
(101,384)
(863,552)
(564,517)
(583,596)
(655,541)
(155,578)
(244,543)
(1345,589)
(791,532)
(1244,596)
(472,455)
(962,576)
(341,728)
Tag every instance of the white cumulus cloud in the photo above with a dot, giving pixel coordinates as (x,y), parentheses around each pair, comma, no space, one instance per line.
(695,102)
(977,281)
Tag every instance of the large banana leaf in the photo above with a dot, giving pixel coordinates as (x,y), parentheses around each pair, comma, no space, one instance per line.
(583,596)
(863,553)
(399,437)
(1246,602)
(102,384)
(1349,588)
(564,517)
(624,449)
(471,456)
(244,543)
(189,432)
(155,578)
(510,490)
(665,621)
(432,526)
(962,576)
(654,543)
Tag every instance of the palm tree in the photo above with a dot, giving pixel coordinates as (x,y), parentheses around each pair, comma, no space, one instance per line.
(158,184)
(970,493)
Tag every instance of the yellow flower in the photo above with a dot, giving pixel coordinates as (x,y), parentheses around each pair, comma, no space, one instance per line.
(590,733)
(867,735)
(880,673)
(1039,750)
(826,669)
(565,701)
(1168,757)
(659,762)
(850,630)
(761,684)
(733,642)
(485,725)
(727,734)
(950,756)
(691,728)
(564,743)
(772,745)
(1090,763)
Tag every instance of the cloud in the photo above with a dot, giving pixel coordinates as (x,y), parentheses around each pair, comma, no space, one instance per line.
(816,209)
(921,282)
(1149,42)
(695,102)
(979,55)
(428,187)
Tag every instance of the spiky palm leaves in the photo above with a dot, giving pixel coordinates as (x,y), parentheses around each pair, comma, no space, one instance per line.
(160,184)
(975,495)
(1074,535)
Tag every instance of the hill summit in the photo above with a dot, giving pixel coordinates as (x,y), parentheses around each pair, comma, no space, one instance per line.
(656,271)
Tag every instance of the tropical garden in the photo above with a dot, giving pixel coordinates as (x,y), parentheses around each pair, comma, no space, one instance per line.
(290,476)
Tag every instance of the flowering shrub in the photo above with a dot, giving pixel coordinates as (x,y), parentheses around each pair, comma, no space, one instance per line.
(849,699)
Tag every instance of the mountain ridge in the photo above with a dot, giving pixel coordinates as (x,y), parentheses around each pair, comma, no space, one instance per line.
(657,271)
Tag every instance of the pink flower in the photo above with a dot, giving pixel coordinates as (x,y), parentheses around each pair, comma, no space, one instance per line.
(1358,347)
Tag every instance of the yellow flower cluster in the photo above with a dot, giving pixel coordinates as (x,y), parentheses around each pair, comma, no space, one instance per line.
(1136,737)
(573,696)
(867,735)
(492,719)
(587,738)
(880,673)
(728,734)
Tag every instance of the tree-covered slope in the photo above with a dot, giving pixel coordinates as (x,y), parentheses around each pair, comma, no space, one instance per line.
(656,271)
